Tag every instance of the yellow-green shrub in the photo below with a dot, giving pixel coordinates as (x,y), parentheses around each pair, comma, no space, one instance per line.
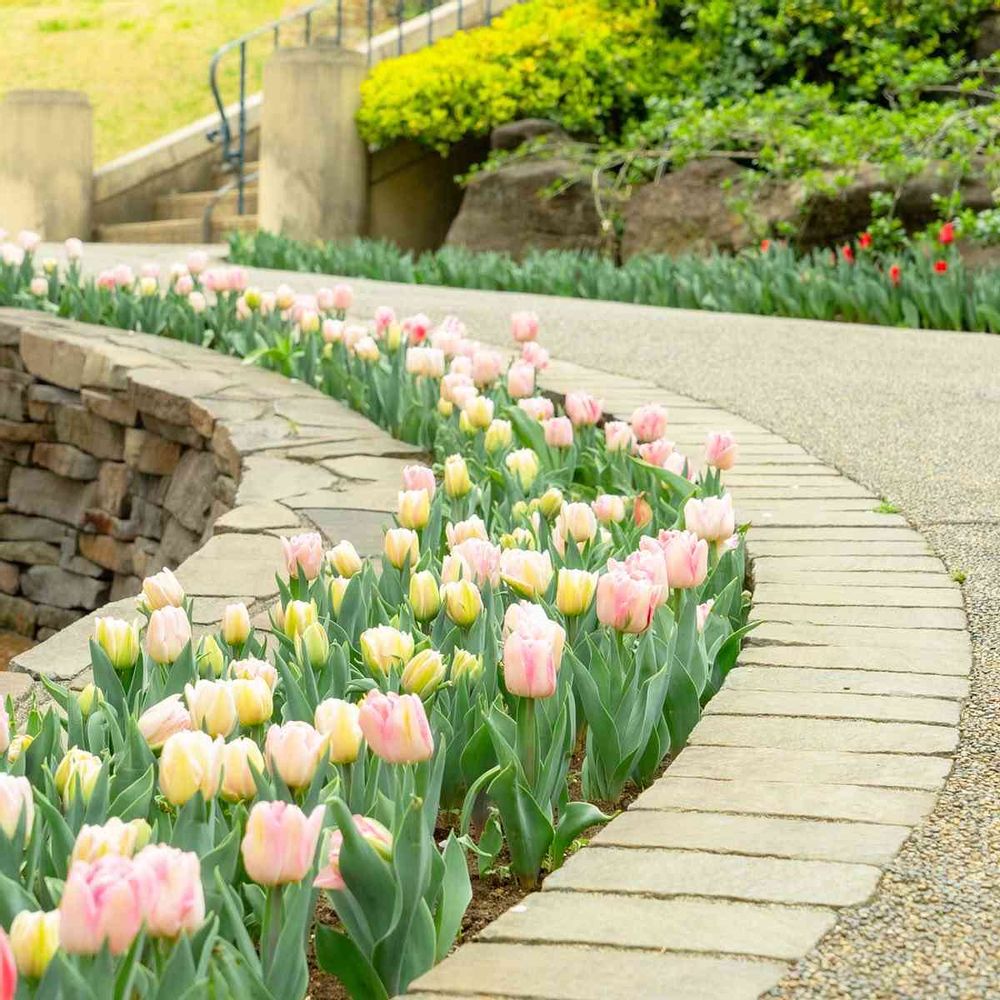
(589,64)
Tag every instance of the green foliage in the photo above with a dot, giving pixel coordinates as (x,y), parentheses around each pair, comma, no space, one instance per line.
(821,285)
(590,64)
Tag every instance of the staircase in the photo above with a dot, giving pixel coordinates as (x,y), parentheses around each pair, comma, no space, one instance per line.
(180,217)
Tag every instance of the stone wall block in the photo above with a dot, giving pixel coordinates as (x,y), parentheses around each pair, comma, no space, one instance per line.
(115,407)
(114,480)
(192,490)
(65,460)
(150,453)
(63,589)
(44,399)
(38,491)
(90,433)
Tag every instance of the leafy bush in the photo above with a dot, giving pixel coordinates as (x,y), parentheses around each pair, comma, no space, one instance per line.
(590,64)
(912,288)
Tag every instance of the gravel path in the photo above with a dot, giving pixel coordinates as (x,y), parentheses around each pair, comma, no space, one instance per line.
(913,415)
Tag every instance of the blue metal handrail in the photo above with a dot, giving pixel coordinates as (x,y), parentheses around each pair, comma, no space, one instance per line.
(234,152)
(234,146)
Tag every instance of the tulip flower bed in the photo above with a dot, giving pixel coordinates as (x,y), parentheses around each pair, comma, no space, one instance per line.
(558,597)
(851,284)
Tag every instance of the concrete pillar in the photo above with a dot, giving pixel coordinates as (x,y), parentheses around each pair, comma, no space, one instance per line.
(46,162)
(313,166)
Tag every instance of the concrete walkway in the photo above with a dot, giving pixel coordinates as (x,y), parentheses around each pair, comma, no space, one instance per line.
(913,416)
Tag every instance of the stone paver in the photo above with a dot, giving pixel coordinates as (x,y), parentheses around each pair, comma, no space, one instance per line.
(753,929)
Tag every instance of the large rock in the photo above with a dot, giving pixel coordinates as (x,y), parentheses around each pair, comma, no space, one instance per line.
(690,210)
(507,210)
(514,134)
(988,40)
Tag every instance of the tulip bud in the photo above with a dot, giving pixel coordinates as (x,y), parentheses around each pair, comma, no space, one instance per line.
(159,722)
(34,939)
(642,513)
(167,635)
(209,657)
(527,573)
(77,772)
(293,751)
(499,435)
(464,663)
(89,698)
(253,700)
(236,624)
(299,615)
(176,901)
(211,706)
(372,832)
(190,763)
(345,559)
(425,598)
(16,800)
(161,590)
(119,640)
(445,407)
(462,602)
(456,477)
(609,509)
(237,777)
(574,591)
(414,508)
(103,904)
(478,413)
(337,720)
(338,588)
(551,502)
(384,647)
(424,673)
(313,646)
(17,746)
(523,463)
(402,544)
(577,521)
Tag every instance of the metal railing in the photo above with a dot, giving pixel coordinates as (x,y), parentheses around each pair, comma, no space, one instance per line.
(348,22)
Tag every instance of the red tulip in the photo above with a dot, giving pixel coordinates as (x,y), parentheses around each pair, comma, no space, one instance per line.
(946,234)
(865,241)
(940,266)
(895,274)
(847,253)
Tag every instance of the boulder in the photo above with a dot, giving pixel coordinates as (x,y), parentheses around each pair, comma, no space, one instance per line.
(689,210)
(506,210)
(511,135)
(988,40)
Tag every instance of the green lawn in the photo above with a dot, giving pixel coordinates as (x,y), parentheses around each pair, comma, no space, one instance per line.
(143,63)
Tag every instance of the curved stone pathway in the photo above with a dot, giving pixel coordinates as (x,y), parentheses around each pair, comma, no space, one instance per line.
(914,416)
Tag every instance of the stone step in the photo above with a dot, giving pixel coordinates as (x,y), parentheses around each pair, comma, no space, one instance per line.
(174,230)
(192,204)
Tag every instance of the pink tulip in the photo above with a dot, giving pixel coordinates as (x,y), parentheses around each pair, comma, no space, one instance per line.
(184,285)
(343,297)
(712,518)
(305,552)
(197,261)
(649,422)
(419,477)
(169,631)
(577,521)
(474,559)
(520,380)
(28,241)
(279,845)
(16,800)
(425,361)
(645,565)
(416,328)
(123,276)
(535,355)
(395,727)
(4,729)
(531,657)
(378,837)
(721,450)
(385,316)
(485,366)
(8,968)
(524,326)
(293,751)
(453,383)
(538,408)
(103,901)
(177,904)
(558,431)
(159,722)
(74,248)
(618,436)
(609,509)
(583,409)
(460,366)
(460,531)
(702,612)
(656,452)
(626,603)
(685,556)
(678,465)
